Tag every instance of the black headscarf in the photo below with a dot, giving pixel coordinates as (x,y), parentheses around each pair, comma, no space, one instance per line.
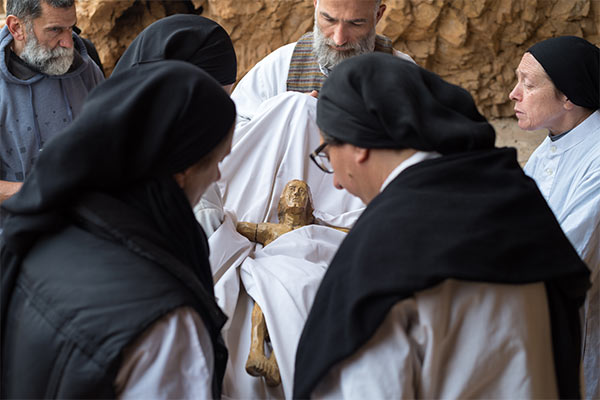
(573,65)
(417,110)
(471,215)
(184,37)
(117,159)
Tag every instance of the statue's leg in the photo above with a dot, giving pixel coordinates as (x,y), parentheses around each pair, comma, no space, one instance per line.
(273,378)
(257,363)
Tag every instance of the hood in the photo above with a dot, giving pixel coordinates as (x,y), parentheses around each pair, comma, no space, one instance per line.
(5,40)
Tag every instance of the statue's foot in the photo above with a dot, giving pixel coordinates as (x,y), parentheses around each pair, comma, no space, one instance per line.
(258,365)
(272,377)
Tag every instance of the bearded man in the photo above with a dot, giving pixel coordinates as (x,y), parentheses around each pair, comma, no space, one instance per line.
(342,29)
(276,127)
(45,75)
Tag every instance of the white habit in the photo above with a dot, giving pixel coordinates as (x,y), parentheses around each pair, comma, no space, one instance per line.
(457,340)
(567,172)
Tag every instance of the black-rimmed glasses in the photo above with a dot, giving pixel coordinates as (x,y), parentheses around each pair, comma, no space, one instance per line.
(321,159)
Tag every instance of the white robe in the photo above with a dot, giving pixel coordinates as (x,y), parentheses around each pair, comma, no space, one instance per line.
(267,79)
(172,359)
(457,340)
(567,173)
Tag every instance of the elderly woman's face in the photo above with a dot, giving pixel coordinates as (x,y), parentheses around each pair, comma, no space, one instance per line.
(538,104)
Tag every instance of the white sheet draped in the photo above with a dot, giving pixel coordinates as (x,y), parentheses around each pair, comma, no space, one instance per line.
(273,149)
(283,277)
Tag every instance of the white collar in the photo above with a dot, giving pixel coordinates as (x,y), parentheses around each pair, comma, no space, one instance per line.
(410,161)
(588,127)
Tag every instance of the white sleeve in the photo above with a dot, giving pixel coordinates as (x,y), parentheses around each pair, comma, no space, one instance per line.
(172,359)
(456,340)
(266,79)
(580,220)
(386,367)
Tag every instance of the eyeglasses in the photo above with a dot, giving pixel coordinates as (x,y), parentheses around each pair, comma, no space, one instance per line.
(321,159)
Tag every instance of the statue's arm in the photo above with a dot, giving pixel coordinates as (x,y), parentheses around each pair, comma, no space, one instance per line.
(248,229)
(266,232)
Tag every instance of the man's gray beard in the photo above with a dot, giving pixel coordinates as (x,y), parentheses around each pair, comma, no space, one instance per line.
(51,62)
(329,57)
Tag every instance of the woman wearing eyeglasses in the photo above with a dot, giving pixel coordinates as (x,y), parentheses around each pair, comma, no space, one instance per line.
(456,281)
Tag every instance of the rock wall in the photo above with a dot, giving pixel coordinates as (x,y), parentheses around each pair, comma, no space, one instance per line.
(473,43)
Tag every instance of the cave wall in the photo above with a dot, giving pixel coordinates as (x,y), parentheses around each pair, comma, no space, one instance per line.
(473,43)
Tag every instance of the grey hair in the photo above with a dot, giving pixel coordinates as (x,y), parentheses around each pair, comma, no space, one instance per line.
(32,9)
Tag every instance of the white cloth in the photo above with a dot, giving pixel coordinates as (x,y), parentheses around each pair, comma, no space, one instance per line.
(274,149)
(567,173)
(172,359)
(275,133)
(270,151)
(267,79)
(457,340)
(284,276)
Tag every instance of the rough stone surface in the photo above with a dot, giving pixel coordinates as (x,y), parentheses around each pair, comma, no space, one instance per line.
(476,44)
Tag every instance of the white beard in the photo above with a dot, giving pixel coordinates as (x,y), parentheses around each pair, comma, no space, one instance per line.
(329,55)
(51,62)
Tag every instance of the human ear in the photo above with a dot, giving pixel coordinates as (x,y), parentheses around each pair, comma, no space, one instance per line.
(361,154)
(568,105)
(16,27)
(380,12)
(179,178)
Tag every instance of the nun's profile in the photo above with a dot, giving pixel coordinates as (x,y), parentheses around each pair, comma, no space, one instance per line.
(106,285)
(558,89)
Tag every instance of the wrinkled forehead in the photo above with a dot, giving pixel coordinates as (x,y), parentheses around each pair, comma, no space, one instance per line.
(55,17)
(356,8)
(529,67)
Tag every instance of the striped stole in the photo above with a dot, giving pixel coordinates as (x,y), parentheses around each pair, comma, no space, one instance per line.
(304,75)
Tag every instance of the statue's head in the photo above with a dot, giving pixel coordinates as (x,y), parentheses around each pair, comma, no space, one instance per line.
(296,200)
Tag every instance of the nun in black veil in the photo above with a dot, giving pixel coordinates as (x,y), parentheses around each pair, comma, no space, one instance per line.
(106,285)
(456,281)
(199,41)
(191,38)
